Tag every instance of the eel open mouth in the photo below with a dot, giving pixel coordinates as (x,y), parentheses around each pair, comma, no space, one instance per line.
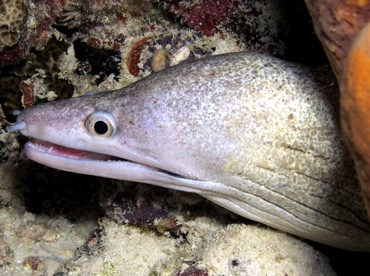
(58,150)
(86,162)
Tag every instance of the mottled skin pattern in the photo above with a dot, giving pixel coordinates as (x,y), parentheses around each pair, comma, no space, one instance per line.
(254,134)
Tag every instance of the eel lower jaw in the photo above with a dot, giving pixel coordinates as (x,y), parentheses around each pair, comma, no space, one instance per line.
(90,163)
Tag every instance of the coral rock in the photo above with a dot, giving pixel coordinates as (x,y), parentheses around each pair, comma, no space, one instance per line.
(355,112)
(12,18)
(336,24)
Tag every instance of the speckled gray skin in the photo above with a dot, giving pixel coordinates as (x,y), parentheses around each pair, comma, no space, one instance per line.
(254,134)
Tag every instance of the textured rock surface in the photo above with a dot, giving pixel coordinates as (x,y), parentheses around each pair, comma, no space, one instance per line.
(45,244)
(12,17)
(337,23)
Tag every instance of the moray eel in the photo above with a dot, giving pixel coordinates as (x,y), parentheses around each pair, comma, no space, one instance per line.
(254,134)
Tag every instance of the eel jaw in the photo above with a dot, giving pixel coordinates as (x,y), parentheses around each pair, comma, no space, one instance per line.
(91,163)
(57,150)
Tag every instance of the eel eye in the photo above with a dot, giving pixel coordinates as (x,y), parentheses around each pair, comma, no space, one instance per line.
(101,124)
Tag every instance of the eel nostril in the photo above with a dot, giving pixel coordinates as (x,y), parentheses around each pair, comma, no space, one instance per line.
(16,127)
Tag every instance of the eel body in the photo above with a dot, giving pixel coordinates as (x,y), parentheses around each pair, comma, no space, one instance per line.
(254,134)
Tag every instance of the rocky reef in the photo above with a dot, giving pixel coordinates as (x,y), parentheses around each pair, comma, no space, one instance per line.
(64,224)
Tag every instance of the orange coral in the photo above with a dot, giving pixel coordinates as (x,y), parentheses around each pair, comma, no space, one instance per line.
(133,58)
(29,95)
(355,108)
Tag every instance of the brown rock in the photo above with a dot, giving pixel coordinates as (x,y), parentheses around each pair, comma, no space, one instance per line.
(336,24)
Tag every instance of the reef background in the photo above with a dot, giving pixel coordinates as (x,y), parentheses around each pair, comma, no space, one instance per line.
(54,222)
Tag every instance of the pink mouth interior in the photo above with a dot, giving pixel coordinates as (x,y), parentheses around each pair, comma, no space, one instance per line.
(58,150)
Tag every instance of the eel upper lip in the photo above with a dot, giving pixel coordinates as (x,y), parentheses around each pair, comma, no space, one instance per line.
(59,150)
